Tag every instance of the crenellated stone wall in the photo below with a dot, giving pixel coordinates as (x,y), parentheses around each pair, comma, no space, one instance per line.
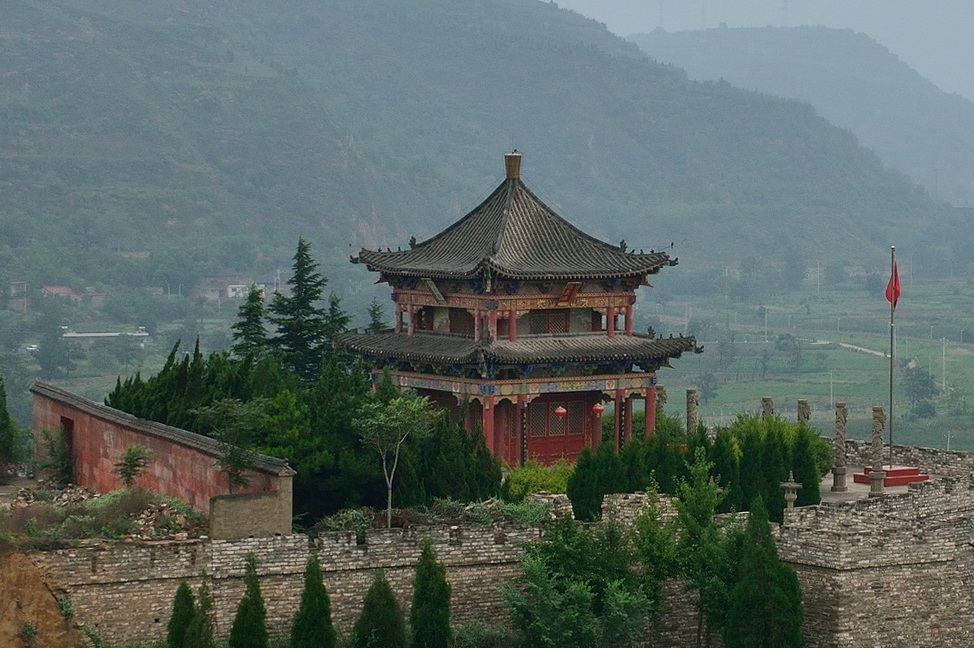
(104,577)
(891,571)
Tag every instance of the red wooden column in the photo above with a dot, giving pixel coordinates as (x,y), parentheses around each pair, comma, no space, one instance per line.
(492,324)
(411,323)
(610,322)
(649,423)
(512,325)
(398,324)
(488,422)
(629,321)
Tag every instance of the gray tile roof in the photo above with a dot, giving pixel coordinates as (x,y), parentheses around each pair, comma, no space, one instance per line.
(513,234)
(455,349)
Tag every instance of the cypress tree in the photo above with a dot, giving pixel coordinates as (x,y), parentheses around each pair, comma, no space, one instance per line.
(583,489)
(775,460)
(429,616)
(727,469)
(381,624)
(7,429)
(200,631)
(765,606)
(805,468)
(312,627)
(249,629)
(183,612)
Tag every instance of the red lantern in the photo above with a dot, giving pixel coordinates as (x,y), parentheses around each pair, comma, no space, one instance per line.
(560,412)
(598,408)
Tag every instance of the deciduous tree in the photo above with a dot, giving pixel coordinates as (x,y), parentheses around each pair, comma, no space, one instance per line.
(384,427)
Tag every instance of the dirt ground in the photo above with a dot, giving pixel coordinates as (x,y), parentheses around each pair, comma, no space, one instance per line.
(25,599)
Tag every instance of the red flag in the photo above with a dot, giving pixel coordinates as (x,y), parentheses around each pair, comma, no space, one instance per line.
(893,287)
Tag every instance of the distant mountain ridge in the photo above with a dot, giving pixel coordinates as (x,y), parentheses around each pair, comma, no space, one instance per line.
(209,134)
(852,81)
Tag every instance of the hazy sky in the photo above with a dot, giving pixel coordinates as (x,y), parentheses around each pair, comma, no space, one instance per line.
(935,38)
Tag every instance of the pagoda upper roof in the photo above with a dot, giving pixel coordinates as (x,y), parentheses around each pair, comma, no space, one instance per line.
(423,346)
(513,234)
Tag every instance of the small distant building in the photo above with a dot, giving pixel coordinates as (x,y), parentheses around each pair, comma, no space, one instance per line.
(17,296)
(140,335)
(64,292)
(526,322)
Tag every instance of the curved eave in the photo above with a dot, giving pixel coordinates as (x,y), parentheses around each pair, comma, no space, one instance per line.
(452,349)
(507,273)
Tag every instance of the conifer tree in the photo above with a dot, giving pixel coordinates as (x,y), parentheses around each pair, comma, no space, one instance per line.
(302,327)
(775,459)
(381,623)
(583,488)
(805,468)
(765,606)
(249,629)
(8,429)
(249,334)
(429,616)
(200,631)
(183,612)
(312,626)
(724,455)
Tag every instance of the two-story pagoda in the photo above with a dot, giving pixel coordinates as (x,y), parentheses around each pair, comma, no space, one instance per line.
(527,320)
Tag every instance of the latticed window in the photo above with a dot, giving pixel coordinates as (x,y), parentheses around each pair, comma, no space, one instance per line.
(575,417)
(538,414)
(550,321)
(461,322)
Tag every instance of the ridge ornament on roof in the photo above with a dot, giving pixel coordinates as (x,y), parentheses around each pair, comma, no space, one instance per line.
(514,235)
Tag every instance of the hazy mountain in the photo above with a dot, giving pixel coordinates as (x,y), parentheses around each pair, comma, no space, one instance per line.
(850,80)
(150,144)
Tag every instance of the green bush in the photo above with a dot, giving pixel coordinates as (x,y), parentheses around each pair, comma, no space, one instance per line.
(532,477)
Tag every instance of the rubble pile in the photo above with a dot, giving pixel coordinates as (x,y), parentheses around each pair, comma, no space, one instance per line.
(162,521)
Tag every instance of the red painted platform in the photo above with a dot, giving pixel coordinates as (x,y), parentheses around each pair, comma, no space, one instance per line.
(895,475)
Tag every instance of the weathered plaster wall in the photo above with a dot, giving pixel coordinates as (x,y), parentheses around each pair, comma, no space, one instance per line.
(182,464)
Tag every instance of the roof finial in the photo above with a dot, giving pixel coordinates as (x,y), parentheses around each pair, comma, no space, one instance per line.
(512,164)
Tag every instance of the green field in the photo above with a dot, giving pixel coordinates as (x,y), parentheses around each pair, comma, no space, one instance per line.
(843,338)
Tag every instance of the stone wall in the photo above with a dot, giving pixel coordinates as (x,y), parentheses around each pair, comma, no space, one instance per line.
(929,460)
(102,578)
(890,571)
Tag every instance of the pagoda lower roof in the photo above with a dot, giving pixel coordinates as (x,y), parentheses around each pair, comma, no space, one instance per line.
(579,347)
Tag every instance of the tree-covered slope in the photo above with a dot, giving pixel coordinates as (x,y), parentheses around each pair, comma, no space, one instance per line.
(853,82)
(151,144)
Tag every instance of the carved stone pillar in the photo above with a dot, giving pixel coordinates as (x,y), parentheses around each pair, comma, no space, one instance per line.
(838,450)
(767,408)
(804,412)
(693,400)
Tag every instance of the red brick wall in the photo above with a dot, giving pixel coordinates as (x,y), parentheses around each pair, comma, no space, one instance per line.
(98,436)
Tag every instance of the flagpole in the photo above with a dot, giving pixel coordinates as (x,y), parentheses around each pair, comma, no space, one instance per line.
(892,307)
